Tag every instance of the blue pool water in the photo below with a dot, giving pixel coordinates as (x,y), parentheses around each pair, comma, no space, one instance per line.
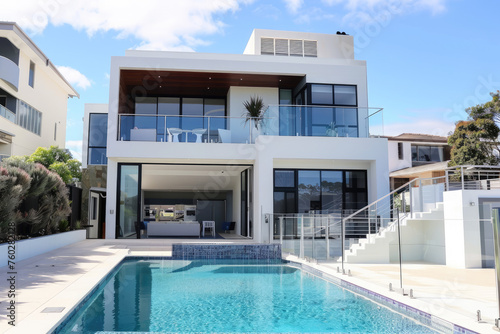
(225,296)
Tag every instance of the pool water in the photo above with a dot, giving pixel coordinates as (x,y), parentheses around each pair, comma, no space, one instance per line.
(226,296)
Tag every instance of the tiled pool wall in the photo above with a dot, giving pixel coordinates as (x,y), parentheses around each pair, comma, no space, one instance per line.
(425,318)
(214,251)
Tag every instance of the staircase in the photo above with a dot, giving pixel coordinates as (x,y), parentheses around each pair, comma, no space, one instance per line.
(422,239)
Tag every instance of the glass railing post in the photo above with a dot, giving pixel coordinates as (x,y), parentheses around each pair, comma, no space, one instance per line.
(301,245)
(208,130)
(327,238)
(342,239)
(313,230)
(165,128)
(281,230)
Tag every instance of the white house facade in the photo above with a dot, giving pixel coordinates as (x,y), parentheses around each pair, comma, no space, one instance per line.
(33,96)
(180,149)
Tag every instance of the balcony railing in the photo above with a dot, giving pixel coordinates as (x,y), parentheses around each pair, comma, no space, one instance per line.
(320,121)
(206,129)
(4,112)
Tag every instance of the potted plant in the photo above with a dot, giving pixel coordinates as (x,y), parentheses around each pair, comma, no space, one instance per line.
(331,131)
(255,109)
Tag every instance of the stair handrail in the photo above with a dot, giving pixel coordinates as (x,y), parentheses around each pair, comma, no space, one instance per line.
(391,193)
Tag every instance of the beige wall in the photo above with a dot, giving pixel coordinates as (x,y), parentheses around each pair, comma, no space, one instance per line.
(49,96)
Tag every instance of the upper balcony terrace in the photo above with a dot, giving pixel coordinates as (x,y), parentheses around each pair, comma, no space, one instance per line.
(278,120)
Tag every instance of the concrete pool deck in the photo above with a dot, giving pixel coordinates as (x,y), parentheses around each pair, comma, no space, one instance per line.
(61,279)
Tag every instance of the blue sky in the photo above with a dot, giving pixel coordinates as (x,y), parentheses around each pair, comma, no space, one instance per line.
(427,60)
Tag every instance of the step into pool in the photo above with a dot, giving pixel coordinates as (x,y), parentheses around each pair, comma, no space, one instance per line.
(228,296)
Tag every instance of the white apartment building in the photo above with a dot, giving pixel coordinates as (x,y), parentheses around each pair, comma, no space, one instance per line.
(33,95)
(179,149)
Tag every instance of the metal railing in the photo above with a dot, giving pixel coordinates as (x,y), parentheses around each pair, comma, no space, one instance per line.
(473,177)
(4,112)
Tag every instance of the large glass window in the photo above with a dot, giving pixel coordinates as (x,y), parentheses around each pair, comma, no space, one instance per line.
(321,191)
(322,94)
(284,179)
(420,153)
(309,190)
(345,95)
(98,133)
(331,190)
(129,187)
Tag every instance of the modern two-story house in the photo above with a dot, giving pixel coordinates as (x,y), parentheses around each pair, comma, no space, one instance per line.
(180,148)
(33,96)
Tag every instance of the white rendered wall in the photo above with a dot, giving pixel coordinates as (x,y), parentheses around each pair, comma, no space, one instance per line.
(462,230)
(235,98)
(28,248)
(394,162)
(329,46)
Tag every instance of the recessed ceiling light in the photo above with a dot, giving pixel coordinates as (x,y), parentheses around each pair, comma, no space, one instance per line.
(209,78)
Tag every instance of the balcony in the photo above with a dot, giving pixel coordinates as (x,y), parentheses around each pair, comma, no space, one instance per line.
(6,113)
(315,121)
(322,121)
(9,71)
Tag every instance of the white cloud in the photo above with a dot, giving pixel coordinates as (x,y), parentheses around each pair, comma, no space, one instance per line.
(365,11)
(157,24)
(74,77)
(75,147)
(293,5)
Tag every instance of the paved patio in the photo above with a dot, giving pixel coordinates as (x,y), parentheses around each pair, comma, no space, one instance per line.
(62,277)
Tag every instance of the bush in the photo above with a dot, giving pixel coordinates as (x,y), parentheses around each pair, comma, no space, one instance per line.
(38,198)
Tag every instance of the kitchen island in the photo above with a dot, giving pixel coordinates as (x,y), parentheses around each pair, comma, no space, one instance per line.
(173,228)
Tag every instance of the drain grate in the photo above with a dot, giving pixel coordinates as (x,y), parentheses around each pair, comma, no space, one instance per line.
(53,309)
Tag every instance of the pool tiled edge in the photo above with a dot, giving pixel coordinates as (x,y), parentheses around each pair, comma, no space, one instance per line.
(217,251)
(425,318)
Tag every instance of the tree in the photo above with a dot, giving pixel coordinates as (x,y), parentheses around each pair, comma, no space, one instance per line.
(475,141)
(59,161)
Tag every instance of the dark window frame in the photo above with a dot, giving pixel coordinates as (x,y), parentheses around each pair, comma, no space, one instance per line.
(400,151)
(89,147)
(345,189)
(31,75)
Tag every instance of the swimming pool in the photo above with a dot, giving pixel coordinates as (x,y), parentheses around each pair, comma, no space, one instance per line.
(228,296)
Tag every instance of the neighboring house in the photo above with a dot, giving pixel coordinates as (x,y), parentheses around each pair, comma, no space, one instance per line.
(413,155)
(33,96)
(94,168)
(179,146)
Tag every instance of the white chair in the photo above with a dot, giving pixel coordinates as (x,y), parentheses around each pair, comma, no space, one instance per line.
(173,134)
(224,135)
(210,224)
(199,132)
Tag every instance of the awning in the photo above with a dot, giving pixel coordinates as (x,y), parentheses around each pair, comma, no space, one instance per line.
(416,171)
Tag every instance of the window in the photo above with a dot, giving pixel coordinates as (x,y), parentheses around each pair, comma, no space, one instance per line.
(345,95)
(55,131)
(29,118)
(420,153)
(322,191)
(322,94)
(98,134)
(400,151)
(31,79)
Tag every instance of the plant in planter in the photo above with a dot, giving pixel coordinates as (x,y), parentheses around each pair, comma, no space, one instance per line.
(255,109)
(331,131)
